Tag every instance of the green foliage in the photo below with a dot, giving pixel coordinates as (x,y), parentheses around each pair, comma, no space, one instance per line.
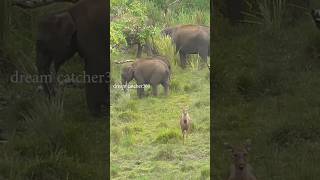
(166,47)
(267,84)
(150,144)
(168,135)
(268,13)
(130,22)
(205,173)
(165,154)
(143,20)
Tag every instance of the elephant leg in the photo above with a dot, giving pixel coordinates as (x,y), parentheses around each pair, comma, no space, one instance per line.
(140,92)
(94,109)
(183,59)
(203,56)
(166,87)
(154,90)
(182,137)
(203,62)
(139,53)
(93,106)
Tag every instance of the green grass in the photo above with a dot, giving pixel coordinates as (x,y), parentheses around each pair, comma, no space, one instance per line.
(149,145)
(146,140)
(267,88)
(52,139)
(55,139)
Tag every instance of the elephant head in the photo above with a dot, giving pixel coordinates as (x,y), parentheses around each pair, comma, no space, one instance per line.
(127,75)
(168,31)
(55,44)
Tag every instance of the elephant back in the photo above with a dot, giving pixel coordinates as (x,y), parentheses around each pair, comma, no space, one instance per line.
(165,60)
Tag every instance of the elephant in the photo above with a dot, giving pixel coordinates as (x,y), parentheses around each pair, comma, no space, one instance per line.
(152,70)
(190,39)
(80,29)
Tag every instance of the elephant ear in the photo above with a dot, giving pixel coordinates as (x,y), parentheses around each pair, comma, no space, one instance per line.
(65,28)
(131,72)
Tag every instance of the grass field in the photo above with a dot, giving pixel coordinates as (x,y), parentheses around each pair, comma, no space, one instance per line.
(146,140)
(267,90)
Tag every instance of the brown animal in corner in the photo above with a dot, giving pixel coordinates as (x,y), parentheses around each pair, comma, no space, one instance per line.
(240,168)
(185,122)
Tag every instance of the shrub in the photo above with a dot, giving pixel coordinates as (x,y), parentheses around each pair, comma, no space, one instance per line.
(165,47)
(165,154)
(167,136)
(127,116)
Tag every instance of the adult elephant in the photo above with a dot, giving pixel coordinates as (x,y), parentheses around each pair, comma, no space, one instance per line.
(80,29)
(190,39)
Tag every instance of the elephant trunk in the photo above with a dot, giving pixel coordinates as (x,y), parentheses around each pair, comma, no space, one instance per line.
(125,85)
(43,66)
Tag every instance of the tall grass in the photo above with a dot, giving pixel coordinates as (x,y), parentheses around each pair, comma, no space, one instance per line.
(185,17)
(270,14)
(166,47)
(46,120)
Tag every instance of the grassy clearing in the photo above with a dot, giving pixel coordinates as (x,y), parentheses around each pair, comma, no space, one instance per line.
(267,90)
(146,141)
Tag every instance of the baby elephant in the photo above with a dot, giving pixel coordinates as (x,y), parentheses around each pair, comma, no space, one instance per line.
(185,122)
(240,169)
(153,71)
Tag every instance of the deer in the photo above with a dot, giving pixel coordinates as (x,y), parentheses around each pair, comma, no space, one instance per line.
(240,168)
(185,122)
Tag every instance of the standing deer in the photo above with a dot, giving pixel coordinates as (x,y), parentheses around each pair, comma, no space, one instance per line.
(240,169)
(185,122)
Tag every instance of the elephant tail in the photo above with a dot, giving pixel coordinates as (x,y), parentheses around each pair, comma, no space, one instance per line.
(169,73)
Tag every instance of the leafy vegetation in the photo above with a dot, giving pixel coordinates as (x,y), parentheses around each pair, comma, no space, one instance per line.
(266,84)
(146,140)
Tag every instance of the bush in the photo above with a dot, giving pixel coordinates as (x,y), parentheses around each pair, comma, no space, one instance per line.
(127,116)
(168,136)
(165,47)
(166,154)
